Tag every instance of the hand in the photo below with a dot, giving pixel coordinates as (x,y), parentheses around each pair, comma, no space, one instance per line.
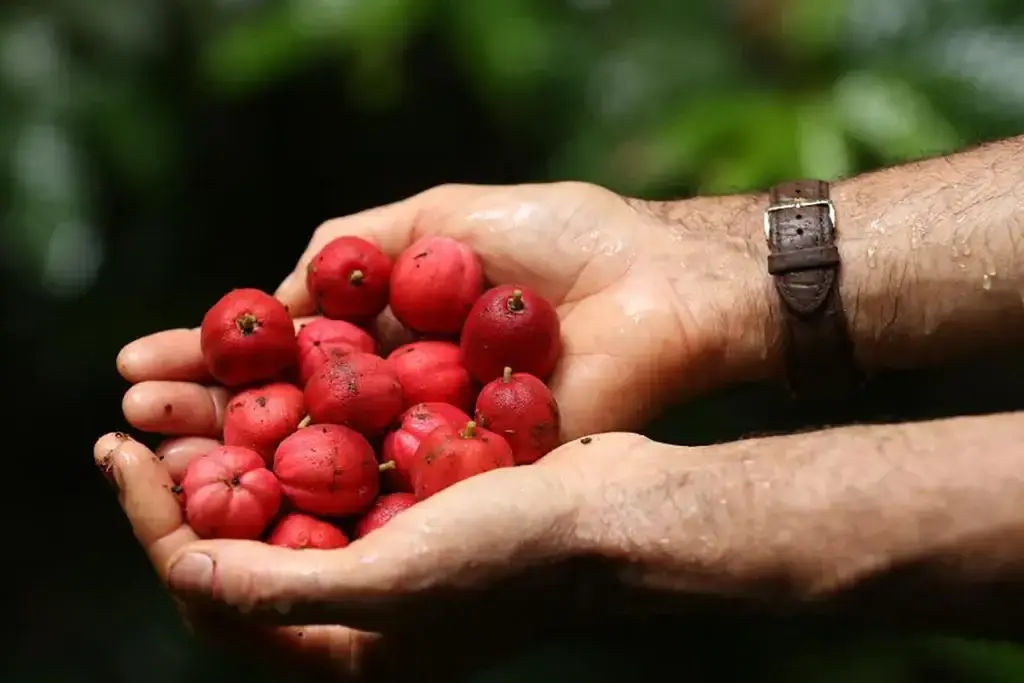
(653,308)
(440,586)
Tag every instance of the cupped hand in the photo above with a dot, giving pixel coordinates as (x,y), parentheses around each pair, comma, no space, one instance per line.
(652,310)
(461,577)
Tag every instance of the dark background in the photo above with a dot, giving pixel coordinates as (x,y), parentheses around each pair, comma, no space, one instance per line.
(154,155)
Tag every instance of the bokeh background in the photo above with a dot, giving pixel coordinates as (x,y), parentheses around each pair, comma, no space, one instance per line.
(154,154)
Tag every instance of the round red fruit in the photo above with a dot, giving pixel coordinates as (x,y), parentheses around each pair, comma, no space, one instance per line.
(229,493)
(434,284)
(298,532)
(359,390)
(247,337)
(327,470)
(433,372)
(349,280)
(415,423)
(324,340)
(259,419)
(448,455)
(522,409)
(511,326)
(383,511)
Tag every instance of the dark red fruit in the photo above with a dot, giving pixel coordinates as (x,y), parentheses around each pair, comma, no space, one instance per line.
(260,418)
(324,340)
(299,531)
(328,470)
(383,511)
(415,423)
(434,284)
(432,372)
(349,280)
(511,326)
(448,455)
(247,337)
(522,409)
(229,493)
(359,390)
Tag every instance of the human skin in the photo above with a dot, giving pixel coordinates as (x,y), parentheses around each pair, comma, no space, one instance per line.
(919,522)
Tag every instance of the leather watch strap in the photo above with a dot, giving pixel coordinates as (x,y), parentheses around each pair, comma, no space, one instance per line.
(804,261)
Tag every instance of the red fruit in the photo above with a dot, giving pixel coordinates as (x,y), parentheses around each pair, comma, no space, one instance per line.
(511,326)
(448,455)
(400,445)
(349,280)
(327,470)
(383,511)
(323,340)
(299,531)
(260,418)
(522,409)
(359,390)
(229,493)
(434,284)
(247,337)
(432,372)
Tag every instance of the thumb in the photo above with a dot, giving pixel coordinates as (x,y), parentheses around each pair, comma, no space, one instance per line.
(392,227)
(460,542)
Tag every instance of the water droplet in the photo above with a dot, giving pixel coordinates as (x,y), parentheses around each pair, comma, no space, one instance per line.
(991,271)
(871,256)
(966,251)
(986,282)
(954,251)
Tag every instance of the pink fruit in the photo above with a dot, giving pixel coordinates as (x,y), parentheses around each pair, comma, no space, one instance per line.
(247,337)
(359,390)
(259,419)
(434,284)
(327,470)
(299,531)
(383,511)
(448,455)
(349,280)
(522,409)
(324,340)
(432,372)
(229,493)
(415,423)
(511,326)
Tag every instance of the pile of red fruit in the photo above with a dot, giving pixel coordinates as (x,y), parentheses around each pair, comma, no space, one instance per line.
(325,439)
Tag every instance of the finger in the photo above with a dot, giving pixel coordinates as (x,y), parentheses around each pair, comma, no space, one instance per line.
(146,495)
(171,355)
(392,227)
(176,454)
(467,536)
(176,408)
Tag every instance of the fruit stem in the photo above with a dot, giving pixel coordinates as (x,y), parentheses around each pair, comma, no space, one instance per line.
(506,375)
(356,277)
(515,303)
(247,323)
(305,422)
(385,466)
(470,431)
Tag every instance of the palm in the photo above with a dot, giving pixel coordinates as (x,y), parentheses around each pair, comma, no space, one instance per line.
(580,246)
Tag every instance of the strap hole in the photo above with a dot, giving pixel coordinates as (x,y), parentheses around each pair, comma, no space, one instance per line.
(799,231)
(799,216)
(799,191)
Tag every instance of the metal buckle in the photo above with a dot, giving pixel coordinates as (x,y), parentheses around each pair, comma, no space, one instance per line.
(797,204)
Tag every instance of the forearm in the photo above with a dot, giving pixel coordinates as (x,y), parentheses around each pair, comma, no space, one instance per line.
(932,257)
(922,522)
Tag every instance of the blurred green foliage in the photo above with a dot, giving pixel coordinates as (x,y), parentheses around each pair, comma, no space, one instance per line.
(650,97)
(657,97)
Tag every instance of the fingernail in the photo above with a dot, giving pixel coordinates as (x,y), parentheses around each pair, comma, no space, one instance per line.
(109,471)
(192,575)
